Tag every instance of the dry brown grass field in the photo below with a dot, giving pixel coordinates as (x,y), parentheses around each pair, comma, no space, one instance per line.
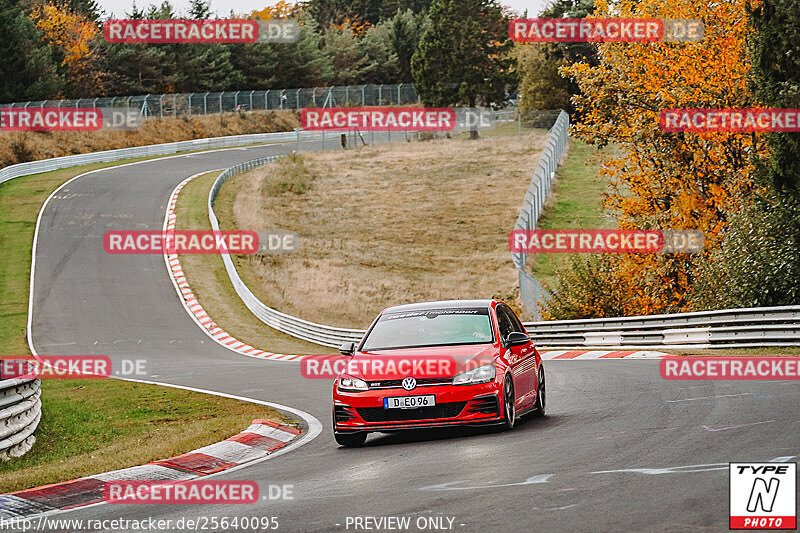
(19,147)
(385,224)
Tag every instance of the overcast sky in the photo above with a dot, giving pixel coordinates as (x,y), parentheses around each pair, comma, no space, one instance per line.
(224,7)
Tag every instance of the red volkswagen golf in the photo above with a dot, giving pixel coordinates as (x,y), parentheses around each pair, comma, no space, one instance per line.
(438,364)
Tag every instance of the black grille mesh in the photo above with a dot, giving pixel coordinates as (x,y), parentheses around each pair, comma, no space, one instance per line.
(379,414)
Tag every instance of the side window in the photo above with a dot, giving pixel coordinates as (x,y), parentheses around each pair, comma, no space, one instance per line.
(515,321)
(504,321)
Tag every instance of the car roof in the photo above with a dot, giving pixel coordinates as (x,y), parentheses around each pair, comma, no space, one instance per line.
(443,304)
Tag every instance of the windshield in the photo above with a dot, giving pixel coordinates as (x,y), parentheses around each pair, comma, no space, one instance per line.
(430,327)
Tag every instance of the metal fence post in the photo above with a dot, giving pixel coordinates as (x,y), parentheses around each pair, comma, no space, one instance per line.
(380,94)
(398,93)
(298,98)
(251,100)
(205,104)
(175,105)
(161,106)
(220,102)
(266,100)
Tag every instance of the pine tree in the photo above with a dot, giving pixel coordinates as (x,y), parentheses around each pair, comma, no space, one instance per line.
(27,67)
(463,55)
(405,30)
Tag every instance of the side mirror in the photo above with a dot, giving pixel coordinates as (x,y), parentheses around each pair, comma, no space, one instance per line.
(348,348)
(516,338)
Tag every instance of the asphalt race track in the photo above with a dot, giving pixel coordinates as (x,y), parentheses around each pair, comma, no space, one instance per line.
(621,449)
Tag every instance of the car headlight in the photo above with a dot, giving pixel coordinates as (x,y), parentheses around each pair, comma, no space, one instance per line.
(482,374)
(351,383)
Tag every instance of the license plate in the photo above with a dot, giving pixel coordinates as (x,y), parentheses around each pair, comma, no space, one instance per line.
(409,402)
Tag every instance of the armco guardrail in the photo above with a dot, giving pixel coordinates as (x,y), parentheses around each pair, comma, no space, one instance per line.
(296,327)
(727,328)
(20,412)
(530,290)
(46,165)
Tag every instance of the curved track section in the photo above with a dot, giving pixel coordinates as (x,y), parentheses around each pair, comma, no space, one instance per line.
(621,449)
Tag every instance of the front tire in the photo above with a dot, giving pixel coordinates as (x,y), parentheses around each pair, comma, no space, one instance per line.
(509,409)
(541,394)
(350,440)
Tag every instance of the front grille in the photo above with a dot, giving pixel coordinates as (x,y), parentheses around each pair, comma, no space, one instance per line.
(379,414)
(391,383)
(485,404)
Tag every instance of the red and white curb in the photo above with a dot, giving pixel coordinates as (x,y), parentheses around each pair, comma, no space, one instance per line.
(190,302)
(260,439)
(601,354)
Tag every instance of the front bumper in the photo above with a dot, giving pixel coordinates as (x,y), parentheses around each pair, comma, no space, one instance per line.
(456,405)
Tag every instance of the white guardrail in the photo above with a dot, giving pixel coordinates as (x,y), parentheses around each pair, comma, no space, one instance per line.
(56,163)
(530,290)
(728,328)
(20,411)
(296,327)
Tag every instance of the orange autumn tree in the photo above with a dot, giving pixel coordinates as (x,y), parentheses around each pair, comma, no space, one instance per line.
(281,10)
(659,180)
(72,34)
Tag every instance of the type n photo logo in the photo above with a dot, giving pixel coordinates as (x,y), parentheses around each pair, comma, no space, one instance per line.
(763,495)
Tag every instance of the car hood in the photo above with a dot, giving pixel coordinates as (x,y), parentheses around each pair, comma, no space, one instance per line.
(430,362)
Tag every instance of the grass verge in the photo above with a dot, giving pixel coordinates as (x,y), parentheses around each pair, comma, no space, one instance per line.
(92,426)
(212,287)
(385,224)
(574,202)
(89,427)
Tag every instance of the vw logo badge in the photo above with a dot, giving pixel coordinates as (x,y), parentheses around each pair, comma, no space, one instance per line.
(409,383)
